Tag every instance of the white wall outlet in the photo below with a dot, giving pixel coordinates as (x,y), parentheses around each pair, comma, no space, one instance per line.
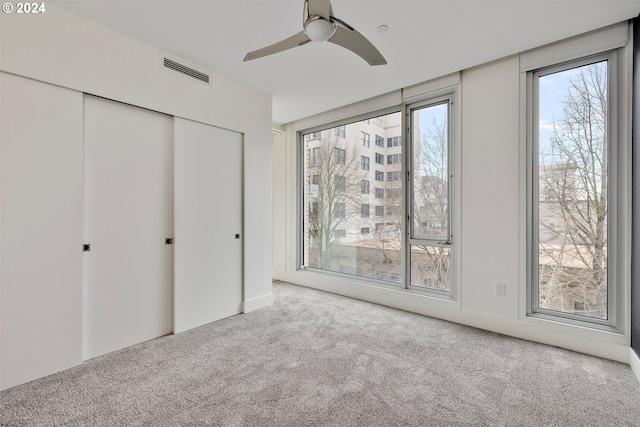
(501,289)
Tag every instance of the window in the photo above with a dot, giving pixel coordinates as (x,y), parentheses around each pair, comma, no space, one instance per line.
(380,159)
(393,193)
(313,210)
(379,141)
(394,210)
(344,205)
(316,159)
(365,139)
(379,193)
(430,248)
(394,176)
(573,190)
(396,141)
(379,210)
(340,183)
(364,163)
(379,226)
(314,135)
(379,121)
(394,159)
(365,186)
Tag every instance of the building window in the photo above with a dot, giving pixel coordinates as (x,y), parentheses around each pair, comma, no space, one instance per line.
(340,210)
(314,135)
(365,139)
(364,210)
(365,186)
(379,176)
(394,210)
(380,159)
(364,163)
(313,211)
(340,131)
(340,233)
(379,193)
(340,155)
(394,159)
(340,183)
(365,230)
(574,143)
(379,141)
(315,157)
(396,141)
(393,193)
(394,176)
(379,121)
(379,210)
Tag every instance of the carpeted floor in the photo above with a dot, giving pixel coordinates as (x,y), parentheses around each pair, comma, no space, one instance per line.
(317,359)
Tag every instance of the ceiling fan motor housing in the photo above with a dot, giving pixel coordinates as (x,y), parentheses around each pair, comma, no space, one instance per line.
(318,29)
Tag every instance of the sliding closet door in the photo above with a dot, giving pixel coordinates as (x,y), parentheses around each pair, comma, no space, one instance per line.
(208,223)
(40,229)
(128,216)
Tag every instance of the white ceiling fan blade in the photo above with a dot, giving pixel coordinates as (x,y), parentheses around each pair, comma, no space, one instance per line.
(319,8)
(358,44)
(288,43)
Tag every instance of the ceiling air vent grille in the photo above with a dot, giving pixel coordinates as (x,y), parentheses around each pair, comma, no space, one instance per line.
(186,70)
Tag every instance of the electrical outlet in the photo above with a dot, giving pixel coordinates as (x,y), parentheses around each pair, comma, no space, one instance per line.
(501,289)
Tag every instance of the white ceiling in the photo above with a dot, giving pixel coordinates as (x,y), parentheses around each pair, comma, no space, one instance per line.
(426,39)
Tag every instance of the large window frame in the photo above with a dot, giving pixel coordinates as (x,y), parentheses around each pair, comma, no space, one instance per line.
(403,142)
(617,140)
(413,239)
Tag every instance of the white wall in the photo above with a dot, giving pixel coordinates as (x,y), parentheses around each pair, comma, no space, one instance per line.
(492,215)
(490,191)
(66,50)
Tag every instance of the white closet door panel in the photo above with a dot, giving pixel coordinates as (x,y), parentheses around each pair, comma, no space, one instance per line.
(208,215)
(40,229)
(128,276)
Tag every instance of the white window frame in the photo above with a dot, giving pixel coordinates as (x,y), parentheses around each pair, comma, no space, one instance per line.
(448,99)
(452,90)
(608,43)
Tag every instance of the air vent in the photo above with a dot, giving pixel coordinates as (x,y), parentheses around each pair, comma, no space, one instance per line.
(186,70)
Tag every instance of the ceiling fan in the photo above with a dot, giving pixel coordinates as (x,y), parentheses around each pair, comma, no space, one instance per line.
(320,25)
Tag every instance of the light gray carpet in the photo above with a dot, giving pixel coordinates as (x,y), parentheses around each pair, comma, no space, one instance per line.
(317,359)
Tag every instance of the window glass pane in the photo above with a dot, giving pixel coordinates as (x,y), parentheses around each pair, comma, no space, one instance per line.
(572,190)
(430,134)
(430,267)
(342,231)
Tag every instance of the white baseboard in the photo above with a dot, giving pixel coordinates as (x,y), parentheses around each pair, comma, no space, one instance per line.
(257,303)
(605,344)
(634,362)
